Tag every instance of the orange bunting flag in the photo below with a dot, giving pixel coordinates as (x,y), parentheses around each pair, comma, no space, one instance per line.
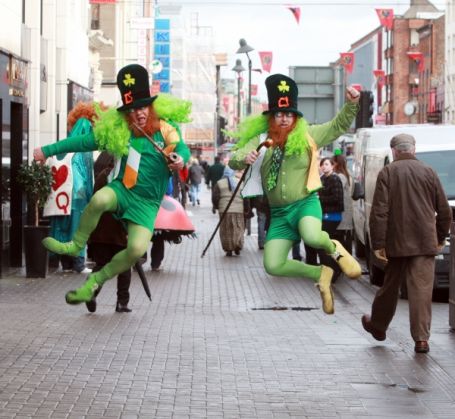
(380,77)
(385,17)
(347,61)
(266,60)
(418,58)
(296,12)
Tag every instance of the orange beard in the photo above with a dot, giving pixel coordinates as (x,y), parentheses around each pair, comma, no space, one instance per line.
(152,125)
(279,135)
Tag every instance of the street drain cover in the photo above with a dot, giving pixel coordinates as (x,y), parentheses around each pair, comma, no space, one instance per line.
(278,308)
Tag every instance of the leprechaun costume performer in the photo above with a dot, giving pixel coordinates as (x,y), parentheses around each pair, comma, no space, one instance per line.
(142,175)
(289,178)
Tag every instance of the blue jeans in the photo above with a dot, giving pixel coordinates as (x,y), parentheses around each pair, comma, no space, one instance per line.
(262,218)
(194,193)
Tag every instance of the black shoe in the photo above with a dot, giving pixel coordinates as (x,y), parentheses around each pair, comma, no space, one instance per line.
(237,251)
(122,308)
(198,202)
(229,253)
(91,305)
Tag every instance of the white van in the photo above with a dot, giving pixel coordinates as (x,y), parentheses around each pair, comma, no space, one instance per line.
(435,146)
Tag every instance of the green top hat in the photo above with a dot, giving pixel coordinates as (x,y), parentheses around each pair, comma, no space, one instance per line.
(282,94)
(133,83)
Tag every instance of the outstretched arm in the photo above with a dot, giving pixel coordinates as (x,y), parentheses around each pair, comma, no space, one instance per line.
(324,134)
(69,145)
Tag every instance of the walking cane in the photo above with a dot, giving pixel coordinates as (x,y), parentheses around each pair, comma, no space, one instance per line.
(266,144)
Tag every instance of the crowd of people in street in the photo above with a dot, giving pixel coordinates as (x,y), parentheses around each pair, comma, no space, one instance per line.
(274,173)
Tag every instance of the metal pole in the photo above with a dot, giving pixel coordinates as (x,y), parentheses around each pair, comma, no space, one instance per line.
(217,110)
(249,85)
(238,98)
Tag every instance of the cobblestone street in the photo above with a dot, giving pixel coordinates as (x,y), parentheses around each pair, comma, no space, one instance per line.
(210,345)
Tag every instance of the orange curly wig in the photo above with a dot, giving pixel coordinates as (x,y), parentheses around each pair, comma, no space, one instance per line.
(83,110)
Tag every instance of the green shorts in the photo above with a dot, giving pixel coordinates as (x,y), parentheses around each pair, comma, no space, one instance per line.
(133,207)
(284,223)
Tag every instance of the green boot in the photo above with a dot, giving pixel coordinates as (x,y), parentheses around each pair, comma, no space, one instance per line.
(85,293)
(72,248)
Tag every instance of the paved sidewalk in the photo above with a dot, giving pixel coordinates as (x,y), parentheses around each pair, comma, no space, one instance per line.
(208,346)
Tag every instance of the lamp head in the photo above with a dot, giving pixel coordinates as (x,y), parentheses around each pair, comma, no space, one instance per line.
(244,47)
(238,68)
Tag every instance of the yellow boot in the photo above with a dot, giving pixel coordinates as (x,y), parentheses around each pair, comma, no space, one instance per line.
(325,288)
(346,261)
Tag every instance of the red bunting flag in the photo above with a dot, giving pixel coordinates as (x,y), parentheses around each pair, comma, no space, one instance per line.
(266,60)
(296,12)
(357,87)
(254,90)
(380,77)
(347,61)
(385,17)
(418,58)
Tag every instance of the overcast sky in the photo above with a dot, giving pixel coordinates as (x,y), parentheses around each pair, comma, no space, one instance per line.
(327,27)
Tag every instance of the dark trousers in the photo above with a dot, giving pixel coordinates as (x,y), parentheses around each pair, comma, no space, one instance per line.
(418,272)
(157,251)
(330,227)
(102,253)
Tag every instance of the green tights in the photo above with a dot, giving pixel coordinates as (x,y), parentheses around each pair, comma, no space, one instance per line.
(276,251)
(105,200)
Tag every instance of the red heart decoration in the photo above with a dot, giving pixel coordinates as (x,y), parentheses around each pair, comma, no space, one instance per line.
(59,176)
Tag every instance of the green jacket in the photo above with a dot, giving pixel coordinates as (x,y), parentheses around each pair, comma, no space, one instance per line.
(293,174)
(153,173)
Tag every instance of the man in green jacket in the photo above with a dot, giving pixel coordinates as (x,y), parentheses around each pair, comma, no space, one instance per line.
(215,172)
(141,180)
(289,178)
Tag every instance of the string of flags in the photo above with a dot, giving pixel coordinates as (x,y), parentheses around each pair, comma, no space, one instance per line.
(418,59)
(296,12)
(347,61)
(385,18)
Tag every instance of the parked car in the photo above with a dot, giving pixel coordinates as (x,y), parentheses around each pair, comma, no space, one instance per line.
(435,146)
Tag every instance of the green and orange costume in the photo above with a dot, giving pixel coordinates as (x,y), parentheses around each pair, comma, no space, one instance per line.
(290,183)
(137,205)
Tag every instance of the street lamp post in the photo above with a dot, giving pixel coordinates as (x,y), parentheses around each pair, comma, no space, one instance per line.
(245,49)
(220,60)
(238,68)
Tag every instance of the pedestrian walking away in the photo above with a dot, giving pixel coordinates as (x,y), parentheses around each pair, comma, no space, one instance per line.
(295,208)
(409,222)
(142,176)
(232,228)
(215,171)
(195,175)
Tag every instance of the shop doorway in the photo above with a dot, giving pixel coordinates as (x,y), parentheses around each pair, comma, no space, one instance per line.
(18,155)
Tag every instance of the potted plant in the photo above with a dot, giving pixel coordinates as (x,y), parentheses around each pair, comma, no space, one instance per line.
(36,181)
